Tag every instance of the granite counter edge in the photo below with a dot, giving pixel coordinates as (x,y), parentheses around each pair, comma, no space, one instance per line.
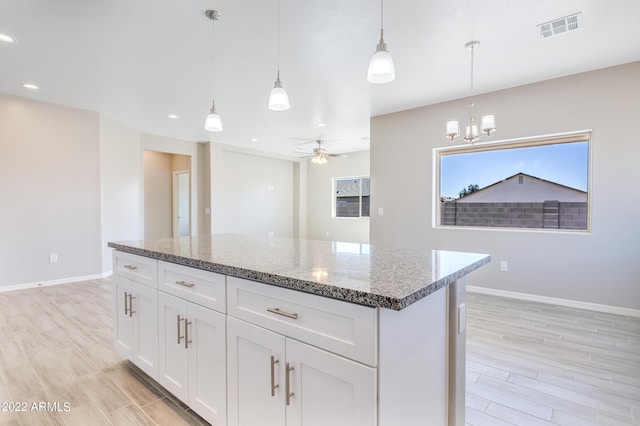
(334,292)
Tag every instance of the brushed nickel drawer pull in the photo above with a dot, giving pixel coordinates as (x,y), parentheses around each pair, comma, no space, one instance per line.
(185,284)
(178,323)
(283,313)
(130,267)
(289,394)
(187,323)
(126,308)
(131,311)
(274,361)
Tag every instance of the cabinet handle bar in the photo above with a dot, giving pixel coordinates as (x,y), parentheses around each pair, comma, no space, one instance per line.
(274,361)
(187,323)
(289,394)
(178,323)
(283,313)
(130,267)
(131,311)
(185,284)
(126,308)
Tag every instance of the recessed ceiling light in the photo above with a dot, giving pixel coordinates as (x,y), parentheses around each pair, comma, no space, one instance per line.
(7,39)
(254,139)
(173,116)
(322,125)
(30,86)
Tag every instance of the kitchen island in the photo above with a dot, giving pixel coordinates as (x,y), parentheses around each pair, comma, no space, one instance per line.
(249,330)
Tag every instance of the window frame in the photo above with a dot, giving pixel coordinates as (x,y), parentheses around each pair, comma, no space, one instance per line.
(334,197)
(522,142)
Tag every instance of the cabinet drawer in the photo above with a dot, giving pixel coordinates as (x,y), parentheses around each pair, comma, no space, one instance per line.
(195,285)
(137,268)
(340,327)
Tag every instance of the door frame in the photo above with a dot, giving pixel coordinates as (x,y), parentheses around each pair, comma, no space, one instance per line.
(175,200)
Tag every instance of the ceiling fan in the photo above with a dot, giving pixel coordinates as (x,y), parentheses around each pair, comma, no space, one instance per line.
(320,155)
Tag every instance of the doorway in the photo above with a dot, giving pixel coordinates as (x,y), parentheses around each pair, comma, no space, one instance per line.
(167,186)
(181,203)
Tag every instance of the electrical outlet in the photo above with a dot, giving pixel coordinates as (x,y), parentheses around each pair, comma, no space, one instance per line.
(270,233)
(53,258)
(504,266)
(380,211)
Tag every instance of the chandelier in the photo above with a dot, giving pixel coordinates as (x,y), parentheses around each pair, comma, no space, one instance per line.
(488,121)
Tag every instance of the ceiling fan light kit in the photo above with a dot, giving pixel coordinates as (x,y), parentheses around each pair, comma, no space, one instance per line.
(213,122)
(488,121)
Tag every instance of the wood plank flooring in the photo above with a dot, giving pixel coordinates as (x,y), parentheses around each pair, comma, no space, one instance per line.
(536,364)
(527,364)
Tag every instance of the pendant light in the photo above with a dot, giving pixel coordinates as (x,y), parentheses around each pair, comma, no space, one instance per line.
(278,98)
(213,123)
(381,68)
(488,122)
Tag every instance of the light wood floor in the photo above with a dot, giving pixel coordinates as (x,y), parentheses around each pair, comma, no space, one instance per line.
(527,364)
(537,364)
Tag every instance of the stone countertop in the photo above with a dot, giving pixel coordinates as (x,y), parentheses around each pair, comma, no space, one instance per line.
(371,275)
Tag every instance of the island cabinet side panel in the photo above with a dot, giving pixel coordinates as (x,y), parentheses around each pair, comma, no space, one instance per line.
(413,367)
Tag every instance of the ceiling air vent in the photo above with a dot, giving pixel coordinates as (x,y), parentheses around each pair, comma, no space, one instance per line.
(560,26)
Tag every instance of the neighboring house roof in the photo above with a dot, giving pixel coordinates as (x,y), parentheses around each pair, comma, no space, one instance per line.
(523,187)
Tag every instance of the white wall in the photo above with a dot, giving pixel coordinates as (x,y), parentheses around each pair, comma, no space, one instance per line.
(251,194)
(158,207)
(50,197)
(121,185)
(320,220)
(601,267)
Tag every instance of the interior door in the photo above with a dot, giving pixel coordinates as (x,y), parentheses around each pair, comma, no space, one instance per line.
(181,203)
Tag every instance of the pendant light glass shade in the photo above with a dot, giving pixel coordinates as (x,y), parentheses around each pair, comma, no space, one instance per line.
(213,123)
(381,67)
(278,98)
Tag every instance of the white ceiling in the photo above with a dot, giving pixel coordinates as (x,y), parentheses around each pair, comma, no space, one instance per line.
(137,61)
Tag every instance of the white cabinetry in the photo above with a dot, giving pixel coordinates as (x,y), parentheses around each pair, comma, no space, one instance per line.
(192,339)
(135,316)
(274,379)
(244,353)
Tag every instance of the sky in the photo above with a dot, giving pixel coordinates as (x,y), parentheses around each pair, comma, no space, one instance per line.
(565,163)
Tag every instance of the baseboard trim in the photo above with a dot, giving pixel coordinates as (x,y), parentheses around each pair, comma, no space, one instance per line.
(54,282)
(628,312)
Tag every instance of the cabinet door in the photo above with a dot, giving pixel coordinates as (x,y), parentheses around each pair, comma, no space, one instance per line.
(329,389)
(256,386)
(173,356)
(145,329)
(122,322)
(206,333)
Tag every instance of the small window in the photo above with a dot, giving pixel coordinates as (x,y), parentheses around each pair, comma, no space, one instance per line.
(536,183)
(352,197)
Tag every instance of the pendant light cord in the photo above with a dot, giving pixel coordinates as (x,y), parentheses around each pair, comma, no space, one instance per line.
(278,39)
(471,100)
(381,21)
(213,68)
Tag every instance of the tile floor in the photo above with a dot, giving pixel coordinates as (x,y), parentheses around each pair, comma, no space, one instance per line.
(527,364)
